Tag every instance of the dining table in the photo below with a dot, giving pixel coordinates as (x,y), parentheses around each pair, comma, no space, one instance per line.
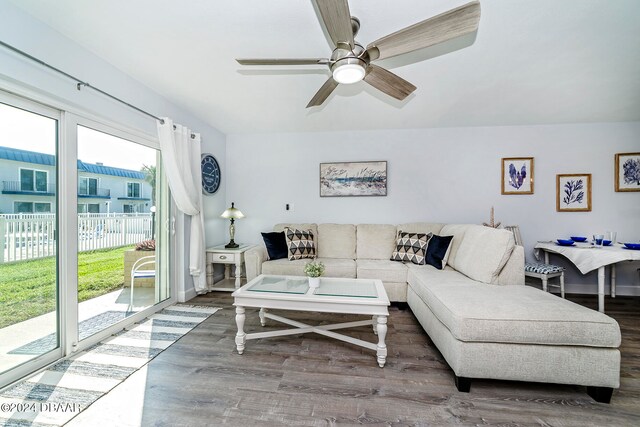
(588,257)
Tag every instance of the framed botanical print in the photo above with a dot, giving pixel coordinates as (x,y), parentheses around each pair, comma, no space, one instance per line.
(627,172)
(517,175)
(573,192)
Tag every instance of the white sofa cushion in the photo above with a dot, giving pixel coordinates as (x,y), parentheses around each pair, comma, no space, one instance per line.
(375,241)
(336,241)
(457,231)
(333,267)
(385,270)
(483,252)
(474,312)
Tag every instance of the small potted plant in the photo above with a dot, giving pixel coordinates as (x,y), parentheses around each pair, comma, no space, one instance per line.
(314,270)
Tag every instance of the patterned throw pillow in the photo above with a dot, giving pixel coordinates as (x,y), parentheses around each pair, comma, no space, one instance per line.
(411,247)
(300,243)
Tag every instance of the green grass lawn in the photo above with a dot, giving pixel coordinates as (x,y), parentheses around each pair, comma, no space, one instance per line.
(28,288)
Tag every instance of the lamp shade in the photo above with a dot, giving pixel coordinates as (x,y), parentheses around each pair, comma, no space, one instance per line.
(232,213)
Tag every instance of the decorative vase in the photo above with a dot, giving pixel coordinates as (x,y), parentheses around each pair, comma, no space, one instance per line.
(314,282)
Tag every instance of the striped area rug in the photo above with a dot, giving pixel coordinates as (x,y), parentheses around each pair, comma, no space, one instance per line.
(53,397)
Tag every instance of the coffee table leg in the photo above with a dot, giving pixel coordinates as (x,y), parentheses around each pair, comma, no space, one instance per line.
(374,323)
(382,347)
(263,318)
(241,337)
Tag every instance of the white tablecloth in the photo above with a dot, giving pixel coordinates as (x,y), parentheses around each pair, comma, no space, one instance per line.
(588,258)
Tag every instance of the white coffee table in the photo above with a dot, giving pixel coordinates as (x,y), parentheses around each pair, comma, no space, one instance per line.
(349,296)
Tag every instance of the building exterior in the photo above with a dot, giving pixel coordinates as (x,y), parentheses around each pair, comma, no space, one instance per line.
(28,185)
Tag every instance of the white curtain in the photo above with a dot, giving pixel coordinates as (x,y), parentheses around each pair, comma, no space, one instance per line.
(181,160)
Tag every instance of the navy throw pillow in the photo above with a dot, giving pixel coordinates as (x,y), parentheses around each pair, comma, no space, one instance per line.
(276,245)
(437,251)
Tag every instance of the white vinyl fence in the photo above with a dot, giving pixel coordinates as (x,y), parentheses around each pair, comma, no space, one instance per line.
(31,236)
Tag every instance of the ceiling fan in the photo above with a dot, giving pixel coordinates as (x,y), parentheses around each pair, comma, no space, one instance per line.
(350,62)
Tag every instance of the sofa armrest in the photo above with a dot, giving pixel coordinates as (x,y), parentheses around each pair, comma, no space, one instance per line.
(513,271)
(253,259)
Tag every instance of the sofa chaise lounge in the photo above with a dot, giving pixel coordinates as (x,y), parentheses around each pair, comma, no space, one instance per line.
(476,310)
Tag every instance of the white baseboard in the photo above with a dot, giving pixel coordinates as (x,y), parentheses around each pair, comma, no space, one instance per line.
(184,296)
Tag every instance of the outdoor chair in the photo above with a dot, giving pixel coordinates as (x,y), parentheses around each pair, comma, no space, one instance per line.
(144,268)
(540,271)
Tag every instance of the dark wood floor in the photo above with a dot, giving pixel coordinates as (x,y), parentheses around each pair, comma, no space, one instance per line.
(307,379)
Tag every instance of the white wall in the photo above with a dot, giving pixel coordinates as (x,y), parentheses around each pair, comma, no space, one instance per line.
(441,175)
(32,36)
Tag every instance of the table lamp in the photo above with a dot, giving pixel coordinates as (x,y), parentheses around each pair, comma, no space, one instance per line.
(233,214)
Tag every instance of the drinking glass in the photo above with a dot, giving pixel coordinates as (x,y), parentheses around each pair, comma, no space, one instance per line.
(597,240)
(612,235)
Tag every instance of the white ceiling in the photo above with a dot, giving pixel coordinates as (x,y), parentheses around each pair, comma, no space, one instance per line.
(532,61)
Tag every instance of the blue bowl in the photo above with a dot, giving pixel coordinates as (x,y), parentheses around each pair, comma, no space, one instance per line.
(606,242)
(565,242)
(578,239)
(632,245)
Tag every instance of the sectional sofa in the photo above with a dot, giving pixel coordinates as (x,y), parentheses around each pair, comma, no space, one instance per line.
(476,310)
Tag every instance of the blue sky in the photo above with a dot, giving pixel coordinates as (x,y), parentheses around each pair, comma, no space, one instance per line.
(28,131)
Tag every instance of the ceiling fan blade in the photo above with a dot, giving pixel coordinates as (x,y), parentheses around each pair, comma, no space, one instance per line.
(323,93)
(448,25)
(387,82)
(337,20)
(283,61)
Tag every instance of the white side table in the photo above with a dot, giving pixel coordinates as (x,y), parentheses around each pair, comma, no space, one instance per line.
(228,257)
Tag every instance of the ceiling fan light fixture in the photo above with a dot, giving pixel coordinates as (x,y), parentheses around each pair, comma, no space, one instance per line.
(348,70)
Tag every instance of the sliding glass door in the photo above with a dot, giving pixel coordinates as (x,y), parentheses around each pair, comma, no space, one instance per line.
(119,260)
(84,233)
(29,279)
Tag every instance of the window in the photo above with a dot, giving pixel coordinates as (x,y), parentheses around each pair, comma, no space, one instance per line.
(23,207)
(33,180)
(129,208)
(88,208)
(42,207)
(133,189)
(88,186)
(31,207)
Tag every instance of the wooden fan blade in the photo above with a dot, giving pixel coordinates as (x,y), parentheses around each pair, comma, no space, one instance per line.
(323,93)
(337,20)
(389,83)
(454,23)
(283,61)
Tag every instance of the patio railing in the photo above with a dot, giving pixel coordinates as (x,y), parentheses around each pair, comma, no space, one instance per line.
(18,187)
(31,236)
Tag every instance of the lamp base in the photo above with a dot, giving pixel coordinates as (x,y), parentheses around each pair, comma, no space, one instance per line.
(232,245)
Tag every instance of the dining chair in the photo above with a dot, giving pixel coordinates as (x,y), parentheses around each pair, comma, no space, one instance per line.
(540,271)
(139,272)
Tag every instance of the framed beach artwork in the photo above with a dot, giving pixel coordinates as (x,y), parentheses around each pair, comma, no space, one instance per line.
(517,175)
(353,179)
(627,172)
(573,192)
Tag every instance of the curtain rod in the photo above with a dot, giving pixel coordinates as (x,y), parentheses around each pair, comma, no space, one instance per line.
(80,83)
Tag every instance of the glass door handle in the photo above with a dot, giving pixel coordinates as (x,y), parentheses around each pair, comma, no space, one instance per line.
(170,225)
